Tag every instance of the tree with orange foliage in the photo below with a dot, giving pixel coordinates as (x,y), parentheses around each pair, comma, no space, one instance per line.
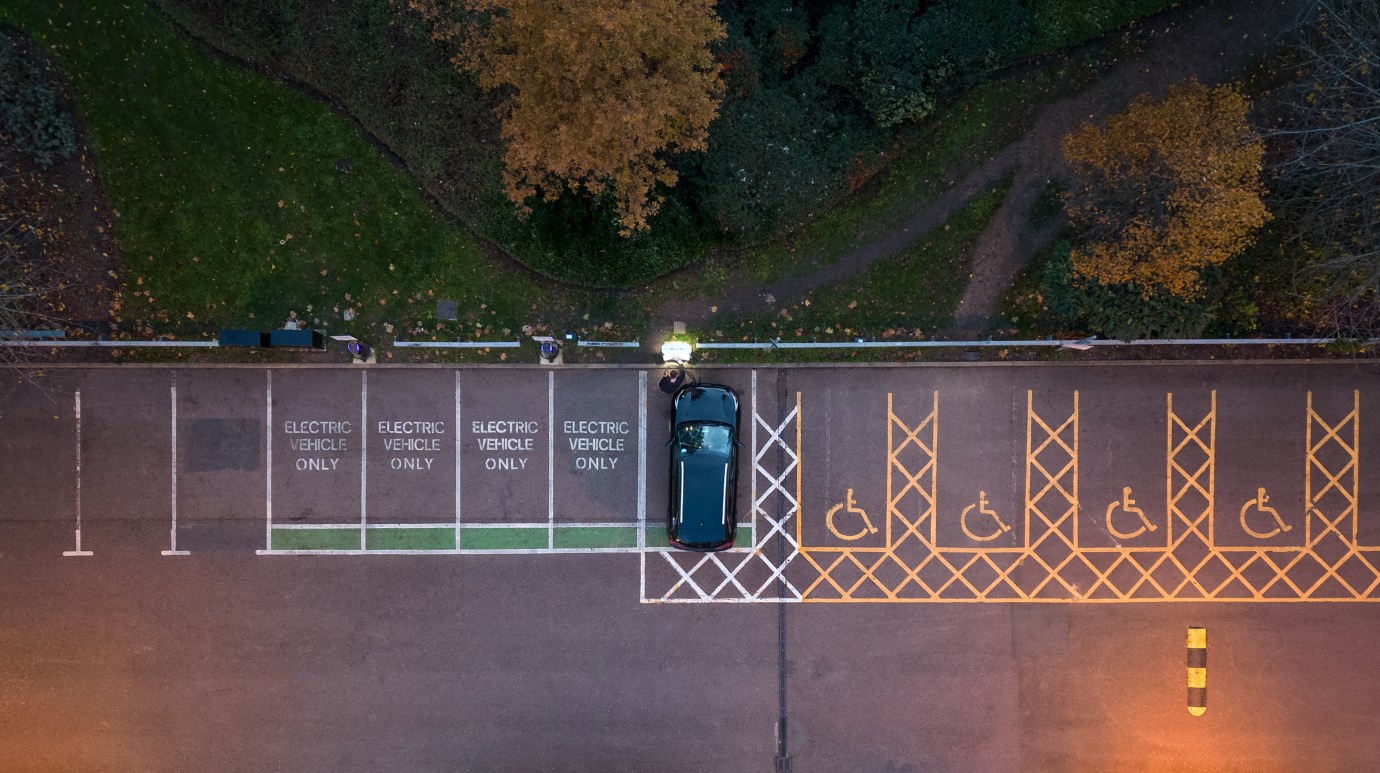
(595,92)
(1169,187)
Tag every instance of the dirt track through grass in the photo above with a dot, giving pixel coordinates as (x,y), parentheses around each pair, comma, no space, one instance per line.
(1212,41)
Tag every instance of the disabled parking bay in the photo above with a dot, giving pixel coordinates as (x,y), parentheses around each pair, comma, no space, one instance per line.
(842,486)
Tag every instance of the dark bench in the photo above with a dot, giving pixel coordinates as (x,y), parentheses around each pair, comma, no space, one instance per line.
(297,339)
(242,338)
(33,334)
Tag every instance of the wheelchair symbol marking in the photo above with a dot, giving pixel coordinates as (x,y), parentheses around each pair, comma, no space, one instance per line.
(850,506)
(1128,505)
(982,507)
(1260,504)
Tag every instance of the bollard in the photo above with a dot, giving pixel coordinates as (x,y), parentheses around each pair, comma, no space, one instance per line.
(550,351)
(360,351)
(1197,670)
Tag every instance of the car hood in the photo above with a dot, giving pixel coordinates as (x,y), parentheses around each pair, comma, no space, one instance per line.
(703,485)
(707,404)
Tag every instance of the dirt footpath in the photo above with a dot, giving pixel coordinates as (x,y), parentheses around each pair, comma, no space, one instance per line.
(1212,41)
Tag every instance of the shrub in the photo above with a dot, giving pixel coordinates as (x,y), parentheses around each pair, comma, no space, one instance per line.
(1121,311)
(1060,23)
(29,111)
(575,239)
(775,156)
(904,60)
(789,128)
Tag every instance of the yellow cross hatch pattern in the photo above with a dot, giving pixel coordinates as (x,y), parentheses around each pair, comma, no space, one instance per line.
(1184,562)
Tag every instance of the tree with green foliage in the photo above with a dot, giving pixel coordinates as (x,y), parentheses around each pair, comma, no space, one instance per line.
(789,128)
(907,54)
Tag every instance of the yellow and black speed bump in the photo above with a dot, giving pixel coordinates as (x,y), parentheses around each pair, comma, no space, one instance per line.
(1197,671)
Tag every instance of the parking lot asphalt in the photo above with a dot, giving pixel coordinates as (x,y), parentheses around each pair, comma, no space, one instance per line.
(432,568)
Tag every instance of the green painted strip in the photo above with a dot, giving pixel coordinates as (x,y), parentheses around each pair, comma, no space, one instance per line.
(656,537)
(743,537)
(596,537)
(426,538)
(329,538)
(502,539)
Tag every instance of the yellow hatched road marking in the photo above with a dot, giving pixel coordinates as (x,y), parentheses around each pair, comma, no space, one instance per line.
(1051,565)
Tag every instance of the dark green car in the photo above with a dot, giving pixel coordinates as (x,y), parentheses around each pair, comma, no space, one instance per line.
(703,511)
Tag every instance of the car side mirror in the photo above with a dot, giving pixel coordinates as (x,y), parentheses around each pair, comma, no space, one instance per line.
(670,442)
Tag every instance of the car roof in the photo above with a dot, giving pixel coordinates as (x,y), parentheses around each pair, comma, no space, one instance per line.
(702,512)
(706,402)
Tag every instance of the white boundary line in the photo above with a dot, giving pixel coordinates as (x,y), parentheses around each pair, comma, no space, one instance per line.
(459,344)
(76,412)
(268,467)
(642,478)
(363,457)
(667,551)
(449,552)
(641,454)
(753,489)
(551,460)
(172,538)
(609,344)
(110,344)
(1086,343)
(457,434)
(471,525)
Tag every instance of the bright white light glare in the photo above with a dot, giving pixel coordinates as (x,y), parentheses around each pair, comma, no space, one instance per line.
(675,351)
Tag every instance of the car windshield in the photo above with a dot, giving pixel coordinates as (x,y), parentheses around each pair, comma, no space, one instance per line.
(712,438)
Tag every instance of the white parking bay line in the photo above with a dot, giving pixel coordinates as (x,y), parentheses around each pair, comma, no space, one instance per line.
(268,468)
(754,454)
(470,525)
(363,456)
(641,456)
(448,552)
(642,482)
(551,459)
(172,538)
(457,459)
(76,412)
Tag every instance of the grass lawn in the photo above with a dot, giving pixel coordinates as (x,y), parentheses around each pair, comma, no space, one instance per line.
(1062,23)
(232,204)
(927,160)
(904,296)
(239,199)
